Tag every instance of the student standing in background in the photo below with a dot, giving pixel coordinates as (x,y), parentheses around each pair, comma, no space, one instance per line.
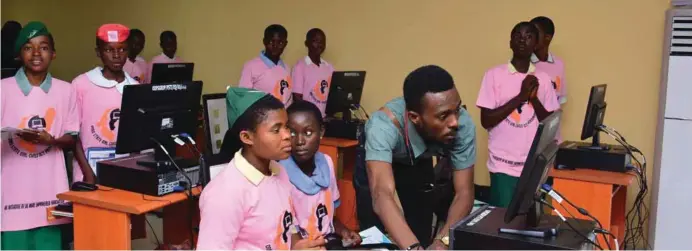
(513,98)
(248,204)
(135,65)
(99,94)
(169,46)
(312,75)
(549,63)
(44,109)
(267,72)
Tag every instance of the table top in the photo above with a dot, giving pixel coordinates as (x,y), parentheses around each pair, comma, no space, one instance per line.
(597,176)
(337,142)
(124,201)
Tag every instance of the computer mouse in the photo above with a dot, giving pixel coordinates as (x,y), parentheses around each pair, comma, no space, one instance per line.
(333,242)
(82,186)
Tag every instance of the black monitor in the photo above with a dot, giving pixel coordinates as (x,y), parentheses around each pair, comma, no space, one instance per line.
(595,112)
(150,113)
(172,73)
(541,156)
(344,93)
(9,72)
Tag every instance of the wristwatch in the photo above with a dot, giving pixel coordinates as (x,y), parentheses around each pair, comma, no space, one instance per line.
(444,240)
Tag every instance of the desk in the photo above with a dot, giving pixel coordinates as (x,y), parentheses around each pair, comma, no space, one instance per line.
(602,193)
(343,152)
(102,217)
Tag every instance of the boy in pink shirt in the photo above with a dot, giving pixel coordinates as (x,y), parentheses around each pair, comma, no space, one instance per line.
(513,98)
(99,93)
(169,46)
(247,206)
(315,194)
(267,72)
(135,65)
(44,110)
(312,75)
(549,63)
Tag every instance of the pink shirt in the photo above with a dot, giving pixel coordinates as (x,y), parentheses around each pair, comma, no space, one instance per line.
(555,68)
(160,59)
(99,110)
(315,213)
(138,70)
(32,175)
(509,142)
(262,74)
(313,81)
(242,209)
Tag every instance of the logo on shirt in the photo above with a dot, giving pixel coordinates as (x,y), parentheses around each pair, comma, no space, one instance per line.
(27,149)
(105,130)
(521,117)
(283,230)
(320,91)
(282,88)
(557,84)
(320,219)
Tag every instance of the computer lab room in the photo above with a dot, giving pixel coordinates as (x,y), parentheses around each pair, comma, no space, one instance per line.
(345,125)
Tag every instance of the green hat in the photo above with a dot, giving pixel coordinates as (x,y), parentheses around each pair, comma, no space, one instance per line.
(31,30)
(238,100)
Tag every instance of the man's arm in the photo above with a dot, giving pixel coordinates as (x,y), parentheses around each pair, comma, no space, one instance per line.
(492,117)
(462,202)
(381,179)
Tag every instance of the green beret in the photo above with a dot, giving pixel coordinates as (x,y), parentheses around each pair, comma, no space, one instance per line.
(238,100)
(31,30)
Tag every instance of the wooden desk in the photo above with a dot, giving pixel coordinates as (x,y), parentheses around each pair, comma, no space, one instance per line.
(602,193)
(102,217)
(343,152)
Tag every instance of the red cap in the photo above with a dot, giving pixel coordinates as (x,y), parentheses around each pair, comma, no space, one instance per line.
(113,33)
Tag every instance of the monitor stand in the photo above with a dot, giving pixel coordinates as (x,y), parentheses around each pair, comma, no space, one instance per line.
(596,143)
(532,225)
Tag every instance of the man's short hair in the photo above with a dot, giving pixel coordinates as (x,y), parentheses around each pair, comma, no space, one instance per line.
(426,79)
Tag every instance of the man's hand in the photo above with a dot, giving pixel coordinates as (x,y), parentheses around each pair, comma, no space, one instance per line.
(437,245)
(528,87)
(350,237)
(89,177)
(36,136)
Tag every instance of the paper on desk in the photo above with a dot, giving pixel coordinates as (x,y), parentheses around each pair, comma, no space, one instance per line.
(9,132)
(373,235)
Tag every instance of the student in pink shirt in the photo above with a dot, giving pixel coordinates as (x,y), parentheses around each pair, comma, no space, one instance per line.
(169,47)
(267,72)
(247,206)
(135,65)
(99,93)
(547,62)
(44,110)
(513,98)
(315,194)
(312,75)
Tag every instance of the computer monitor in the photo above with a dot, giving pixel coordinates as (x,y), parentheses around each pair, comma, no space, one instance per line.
(151,113)
(344,93)
(595,112)
(539,160)
(172,73)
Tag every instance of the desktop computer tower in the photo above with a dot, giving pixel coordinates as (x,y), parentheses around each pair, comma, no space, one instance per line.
(573,155)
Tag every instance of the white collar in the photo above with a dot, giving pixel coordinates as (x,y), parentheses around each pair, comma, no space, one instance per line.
(139,58)
(308,61)
(164,55)
(96,77)
(534,58)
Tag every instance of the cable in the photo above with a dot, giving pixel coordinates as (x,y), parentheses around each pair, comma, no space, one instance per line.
(364,111)
(158,243)
(639,213)
(542,201)
(606,232)
(545,188)
(189,189)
